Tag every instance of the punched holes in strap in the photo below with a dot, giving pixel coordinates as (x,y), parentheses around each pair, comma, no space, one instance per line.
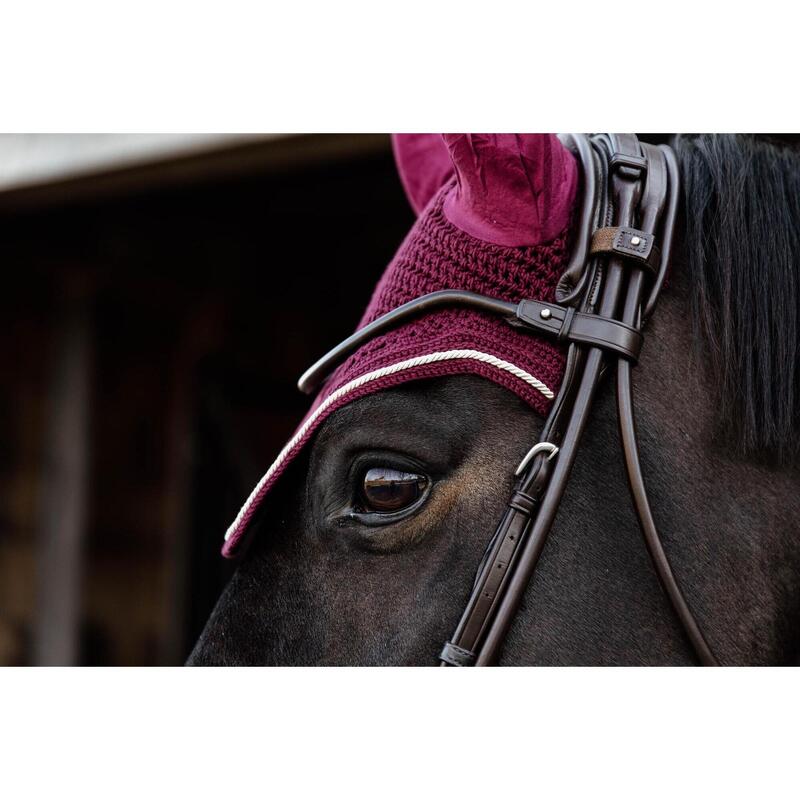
(456,656)
(629,243)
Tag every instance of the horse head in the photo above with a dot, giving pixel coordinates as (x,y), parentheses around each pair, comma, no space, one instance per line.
(360,544)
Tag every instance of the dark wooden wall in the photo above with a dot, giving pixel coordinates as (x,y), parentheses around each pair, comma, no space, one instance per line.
(152,335)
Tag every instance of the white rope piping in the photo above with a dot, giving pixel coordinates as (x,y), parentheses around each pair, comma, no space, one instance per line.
(356,383)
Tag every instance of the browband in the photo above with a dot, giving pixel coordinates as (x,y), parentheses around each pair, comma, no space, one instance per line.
(564,324)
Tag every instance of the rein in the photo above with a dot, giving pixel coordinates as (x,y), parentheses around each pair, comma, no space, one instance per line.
(604,298)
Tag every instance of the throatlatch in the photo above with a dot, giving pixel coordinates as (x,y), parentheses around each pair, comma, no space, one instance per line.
(605,296)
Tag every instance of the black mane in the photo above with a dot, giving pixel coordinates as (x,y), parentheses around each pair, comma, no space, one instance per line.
(742,198)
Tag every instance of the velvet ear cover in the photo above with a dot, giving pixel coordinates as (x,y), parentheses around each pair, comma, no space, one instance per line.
(510,189)
(424,165)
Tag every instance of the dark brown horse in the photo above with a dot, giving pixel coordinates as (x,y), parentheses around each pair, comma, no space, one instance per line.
(367,550)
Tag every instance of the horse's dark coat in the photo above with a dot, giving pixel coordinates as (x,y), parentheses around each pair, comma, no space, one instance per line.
(314,592)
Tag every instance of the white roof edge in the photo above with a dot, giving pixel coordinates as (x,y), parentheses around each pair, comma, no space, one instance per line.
(37,159)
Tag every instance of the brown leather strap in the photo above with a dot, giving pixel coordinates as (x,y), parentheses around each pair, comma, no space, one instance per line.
(629,243)
(626,183)
(548,318)
(572,282)
(493,574)
(520,538)
(661,165)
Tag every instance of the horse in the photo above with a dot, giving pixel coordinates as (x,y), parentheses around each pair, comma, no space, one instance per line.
(367,549)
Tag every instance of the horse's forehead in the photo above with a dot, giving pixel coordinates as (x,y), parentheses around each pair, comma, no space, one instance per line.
(456,408)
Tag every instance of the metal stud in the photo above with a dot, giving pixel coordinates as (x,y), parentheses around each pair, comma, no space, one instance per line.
(635,241)
(545,313)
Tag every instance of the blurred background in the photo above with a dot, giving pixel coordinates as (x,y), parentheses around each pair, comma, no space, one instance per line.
(161,294)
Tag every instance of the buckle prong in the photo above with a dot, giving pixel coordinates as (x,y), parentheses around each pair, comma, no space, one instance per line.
(539,447)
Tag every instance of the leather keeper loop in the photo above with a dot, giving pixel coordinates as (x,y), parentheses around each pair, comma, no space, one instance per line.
(457,656)
(568,325)
(629,243)
(522,502)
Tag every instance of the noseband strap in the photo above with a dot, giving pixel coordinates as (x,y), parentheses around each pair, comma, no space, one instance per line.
(605,296)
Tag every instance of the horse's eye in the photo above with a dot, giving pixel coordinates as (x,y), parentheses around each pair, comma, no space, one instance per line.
(386,490)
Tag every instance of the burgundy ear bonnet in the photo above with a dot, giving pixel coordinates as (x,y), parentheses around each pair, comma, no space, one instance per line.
(494,214)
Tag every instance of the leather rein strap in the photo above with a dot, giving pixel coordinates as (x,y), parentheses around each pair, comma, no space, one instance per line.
(605,296)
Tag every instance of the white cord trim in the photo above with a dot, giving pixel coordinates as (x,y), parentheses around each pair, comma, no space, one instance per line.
(357,383)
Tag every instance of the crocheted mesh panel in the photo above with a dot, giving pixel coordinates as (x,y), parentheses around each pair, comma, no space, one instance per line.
(437,255)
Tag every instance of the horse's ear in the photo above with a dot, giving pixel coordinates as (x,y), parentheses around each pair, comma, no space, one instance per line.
(513,189)
(424,165)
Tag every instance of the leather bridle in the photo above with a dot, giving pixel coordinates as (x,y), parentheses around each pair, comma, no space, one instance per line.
(604,298)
